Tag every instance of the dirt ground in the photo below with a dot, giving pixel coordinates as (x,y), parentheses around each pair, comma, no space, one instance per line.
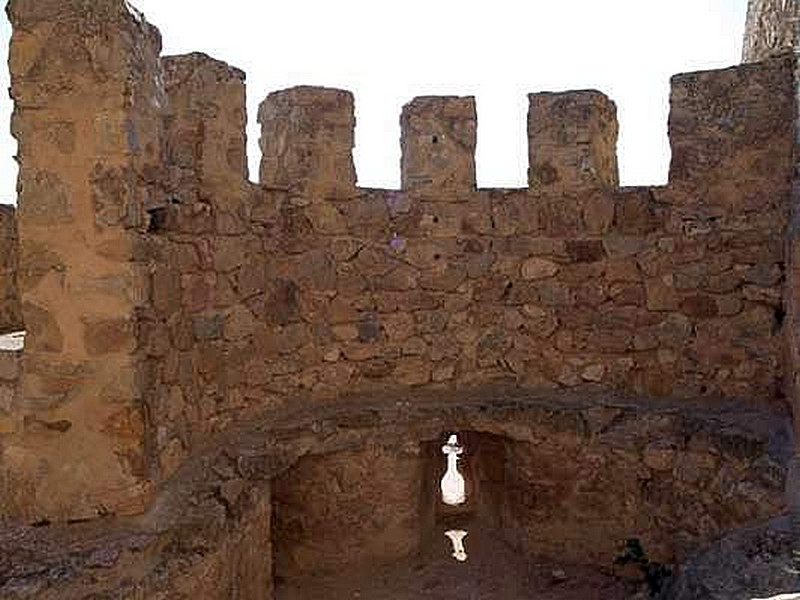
(492,571)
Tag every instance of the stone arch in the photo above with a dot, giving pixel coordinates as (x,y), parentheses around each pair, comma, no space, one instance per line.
(574,477)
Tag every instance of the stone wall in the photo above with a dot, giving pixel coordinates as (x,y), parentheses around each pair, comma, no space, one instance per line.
(356,507)
(202,350)
(310,286)
(595,468)
(562,478)
(167,297)
(84,79)
(10,310)
(770,29)
(208,257)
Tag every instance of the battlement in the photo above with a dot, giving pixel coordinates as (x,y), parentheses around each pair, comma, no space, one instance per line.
(166,297)
(200,348)
(308,133)
(307,139)
(770,29)
(572,136)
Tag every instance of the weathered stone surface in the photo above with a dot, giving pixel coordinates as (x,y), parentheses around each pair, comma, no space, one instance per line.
(572,140)
(538,268)
(438,140)
(208,327)
(749,563)
(770,29)
(45,333)
(307,138)
(86,117)
(552,468)
(10,308)
(718,127)
(205,133)
(368,510)
(108,336)
(180,316)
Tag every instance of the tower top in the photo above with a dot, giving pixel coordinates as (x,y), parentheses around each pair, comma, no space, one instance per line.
(771,28)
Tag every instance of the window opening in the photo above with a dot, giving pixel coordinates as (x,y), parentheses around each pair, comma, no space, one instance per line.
(12,342)
(452,485)
(457,537)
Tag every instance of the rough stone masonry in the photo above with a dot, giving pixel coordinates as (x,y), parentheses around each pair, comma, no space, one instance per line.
(202,349)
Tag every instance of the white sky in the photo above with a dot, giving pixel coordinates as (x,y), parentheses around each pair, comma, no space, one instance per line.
(386,52)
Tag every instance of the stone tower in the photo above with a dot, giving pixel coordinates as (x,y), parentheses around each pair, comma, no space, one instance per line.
(771,28)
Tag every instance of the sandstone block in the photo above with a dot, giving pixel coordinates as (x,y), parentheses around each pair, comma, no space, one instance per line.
(44,333)
(281,304)
(443,373)
(661,296)
(622,270)
(659,456)
(724,122)
(598,213)
(438,140)
(369,329)
(699,306)
(307,139)
(621,247)
(412,372)
(447,280)
(628,294)
(556,294)
(208,327)
(415,347)
(229,253)
(572,140)
(635,212)
(398,326)
(9,366)
(45,199)
(106,336)
(674,330)
(769,30)
(539,268)
(594,373)
(36,261)
(585,251)
(206,126)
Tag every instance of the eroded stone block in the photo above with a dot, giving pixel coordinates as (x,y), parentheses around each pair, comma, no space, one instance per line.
(770,29)
(730,121)
(307,139)
(438,139)
(206,125)
(572,140)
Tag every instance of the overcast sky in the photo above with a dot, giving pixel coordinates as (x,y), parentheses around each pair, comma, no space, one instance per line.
(387,52)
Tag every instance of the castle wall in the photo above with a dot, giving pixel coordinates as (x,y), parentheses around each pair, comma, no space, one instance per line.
(10,309)
(207,261)
(315,288)
(167,298)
